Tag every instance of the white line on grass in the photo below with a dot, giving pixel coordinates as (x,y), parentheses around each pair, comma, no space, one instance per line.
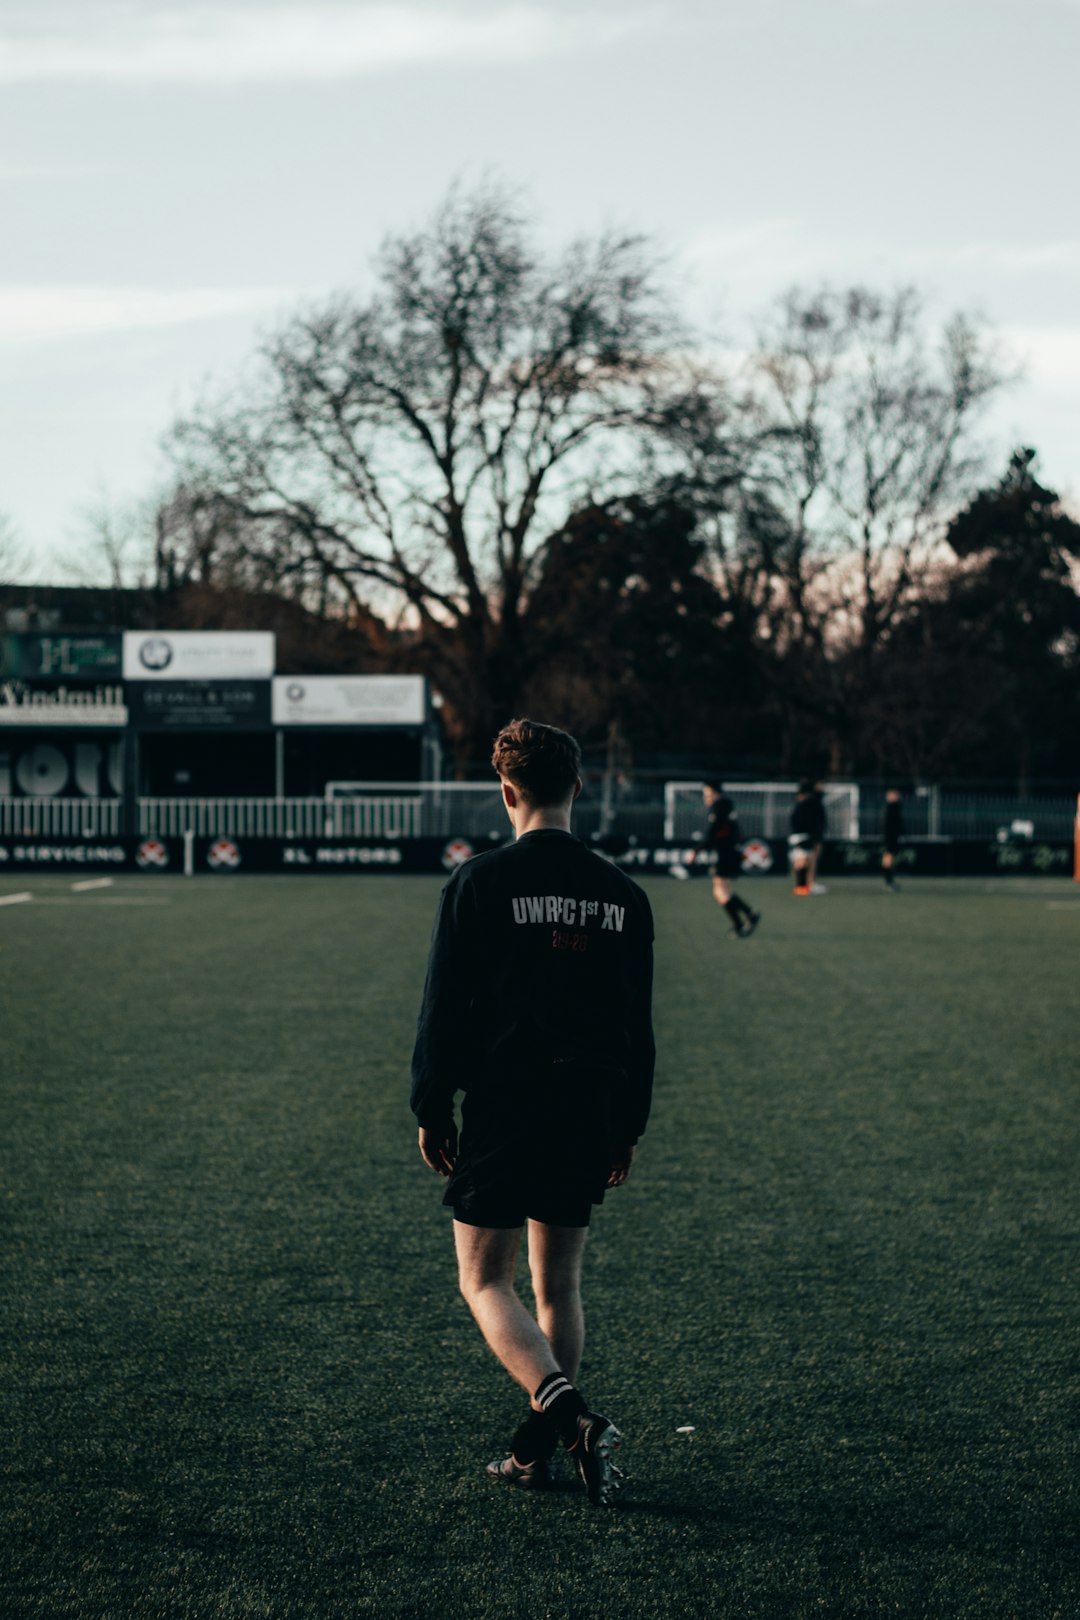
(14,899)
(1063,905)
(110,901)
(92,883)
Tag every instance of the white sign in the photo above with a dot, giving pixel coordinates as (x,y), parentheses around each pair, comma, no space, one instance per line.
(348,700)
(198,655)
(22,705)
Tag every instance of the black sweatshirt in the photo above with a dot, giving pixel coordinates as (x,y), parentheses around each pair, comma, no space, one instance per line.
(808,817)
(541,951)
(721,824)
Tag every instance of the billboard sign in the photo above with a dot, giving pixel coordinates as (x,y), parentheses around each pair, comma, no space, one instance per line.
(198,655)
(62,767)
(200,705)
(349,700)
(26,703)
(61,658)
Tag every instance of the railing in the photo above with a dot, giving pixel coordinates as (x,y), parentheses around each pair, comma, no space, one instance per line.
(937,813)
(763,808)
(281,818)
(450,812)
(34,817)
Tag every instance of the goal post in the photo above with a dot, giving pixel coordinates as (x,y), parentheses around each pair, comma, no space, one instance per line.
(763,808)
(433,809)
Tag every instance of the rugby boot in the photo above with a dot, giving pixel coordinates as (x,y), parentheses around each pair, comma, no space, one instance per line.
(593,1454)
(534,1476)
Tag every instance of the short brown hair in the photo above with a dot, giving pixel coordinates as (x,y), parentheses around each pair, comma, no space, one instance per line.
(542,762)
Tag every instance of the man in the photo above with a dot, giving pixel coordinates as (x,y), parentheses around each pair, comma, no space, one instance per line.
(892,833)
(820,826)
(537,1007)
(722,836)
(804,837)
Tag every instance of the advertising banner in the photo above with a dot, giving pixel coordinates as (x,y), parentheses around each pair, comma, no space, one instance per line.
(205,705)
(62,767)
(27,703)
(67,854)
(937,858)
(60,658)
(953,858)
(228,855)
(198,655)
(314,855)
(233,855)
(349,700)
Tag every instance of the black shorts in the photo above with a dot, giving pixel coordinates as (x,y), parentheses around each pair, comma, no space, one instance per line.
(728,862)
(513,1209)
(892,846)
(535,1145)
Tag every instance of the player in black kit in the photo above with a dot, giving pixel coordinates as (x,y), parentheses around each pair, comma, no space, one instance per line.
(805,837)
(722,837)
(892,832)
(536,1007)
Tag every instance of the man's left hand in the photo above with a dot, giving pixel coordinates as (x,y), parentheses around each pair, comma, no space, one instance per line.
(438,1147)
(621,1160)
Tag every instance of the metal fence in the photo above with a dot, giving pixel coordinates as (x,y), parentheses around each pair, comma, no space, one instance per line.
(763,808)
(393,817)
(475,810)
(938,812)
(33,817)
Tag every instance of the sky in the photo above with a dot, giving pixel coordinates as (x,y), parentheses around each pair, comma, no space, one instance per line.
(176,176)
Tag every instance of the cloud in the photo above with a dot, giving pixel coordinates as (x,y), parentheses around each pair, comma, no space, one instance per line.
(16,174)
(29,314)
(747,265)
(1010,258)
(1051,354)
(322,41)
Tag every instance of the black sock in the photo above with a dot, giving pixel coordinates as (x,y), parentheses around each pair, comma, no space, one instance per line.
(535,1439)
(737,900)
(563,1405)
(732,908)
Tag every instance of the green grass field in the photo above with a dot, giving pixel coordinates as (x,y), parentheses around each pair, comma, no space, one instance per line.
(238,1379)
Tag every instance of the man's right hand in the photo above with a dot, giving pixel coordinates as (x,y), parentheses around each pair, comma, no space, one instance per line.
(438,1147)
(621,1160)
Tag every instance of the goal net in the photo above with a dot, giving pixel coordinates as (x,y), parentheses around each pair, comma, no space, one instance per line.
(415,810)
(763,808)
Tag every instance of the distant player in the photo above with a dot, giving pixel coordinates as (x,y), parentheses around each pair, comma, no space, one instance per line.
(722,836)
(804,836)
(821,824)
(892,833)
(537,1007)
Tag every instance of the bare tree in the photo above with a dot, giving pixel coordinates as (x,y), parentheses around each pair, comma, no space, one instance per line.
(14,554)
(863,450)
(113,544)
(412,452)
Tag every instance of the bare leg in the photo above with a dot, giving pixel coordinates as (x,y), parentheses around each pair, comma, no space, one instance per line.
(721,889)
(487,1257)
(555,1256)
